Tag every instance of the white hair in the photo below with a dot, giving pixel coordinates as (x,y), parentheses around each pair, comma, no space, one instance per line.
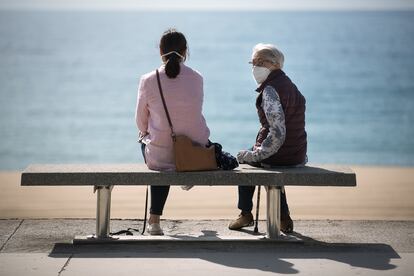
(270,53)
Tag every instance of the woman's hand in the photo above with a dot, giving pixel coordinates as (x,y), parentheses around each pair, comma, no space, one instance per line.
(141,136)
(245,156)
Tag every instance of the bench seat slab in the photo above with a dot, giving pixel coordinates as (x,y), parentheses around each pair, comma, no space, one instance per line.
(139,174)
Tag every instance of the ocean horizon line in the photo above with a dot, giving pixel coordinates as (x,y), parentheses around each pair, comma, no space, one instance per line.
(212,5)
(184,11)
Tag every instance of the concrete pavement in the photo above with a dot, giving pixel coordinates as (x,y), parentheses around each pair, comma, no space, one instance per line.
(43,247)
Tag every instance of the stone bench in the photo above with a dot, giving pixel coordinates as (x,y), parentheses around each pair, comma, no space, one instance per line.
(104,177)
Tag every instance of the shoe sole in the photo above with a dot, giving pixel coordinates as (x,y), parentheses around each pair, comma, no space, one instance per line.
(156,233)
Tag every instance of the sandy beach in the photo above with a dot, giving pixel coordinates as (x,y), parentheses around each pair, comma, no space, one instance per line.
(382,193)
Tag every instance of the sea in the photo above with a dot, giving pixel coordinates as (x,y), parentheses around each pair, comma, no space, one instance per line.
(69,79)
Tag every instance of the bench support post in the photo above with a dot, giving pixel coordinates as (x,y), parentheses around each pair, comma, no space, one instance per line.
(273,212)
(103,211)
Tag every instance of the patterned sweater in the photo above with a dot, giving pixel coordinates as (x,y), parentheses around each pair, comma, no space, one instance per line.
(277,130)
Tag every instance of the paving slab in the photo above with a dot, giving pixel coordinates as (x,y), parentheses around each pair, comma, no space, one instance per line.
(30,264)
(7,229)
(41,235)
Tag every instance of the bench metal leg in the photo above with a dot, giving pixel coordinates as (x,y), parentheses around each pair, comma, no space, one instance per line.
(273,212)
(103,211)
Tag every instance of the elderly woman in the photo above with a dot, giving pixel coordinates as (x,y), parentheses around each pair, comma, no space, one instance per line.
(281,140)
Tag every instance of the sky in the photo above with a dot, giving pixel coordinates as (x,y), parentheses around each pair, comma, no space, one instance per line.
(208,5)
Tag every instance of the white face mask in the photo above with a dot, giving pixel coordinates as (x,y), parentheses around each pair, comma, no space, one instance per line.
(260,74)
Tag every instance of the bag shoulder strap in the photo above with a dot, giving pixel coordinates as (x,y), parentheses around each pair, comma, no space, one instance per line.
(165,105)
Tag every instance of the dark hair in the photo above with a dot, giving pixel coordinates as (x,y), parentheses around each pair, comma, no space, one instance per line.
(173,41)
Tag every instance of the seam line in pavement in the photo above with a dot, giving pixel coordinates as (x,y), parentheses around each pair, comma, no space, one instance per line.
(65,265)
(11,236)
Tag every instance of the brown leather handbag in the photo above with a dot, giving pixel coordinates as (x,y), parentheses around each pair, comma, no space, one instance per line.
(188,155)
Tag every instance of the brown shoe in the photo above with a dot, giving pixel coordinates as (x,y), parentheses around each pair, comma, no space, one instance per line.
(286,224)
(242,221)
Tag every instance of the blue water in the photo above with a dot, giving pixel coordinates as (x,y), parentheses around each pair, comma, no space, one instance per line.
(68,81)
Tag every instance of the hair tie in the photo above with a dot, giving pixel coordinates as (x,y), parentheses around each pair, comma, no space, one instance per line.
(173,52)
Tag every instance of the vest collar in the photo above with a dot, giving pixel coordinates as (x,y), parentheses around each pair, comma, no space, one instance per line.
(273,75)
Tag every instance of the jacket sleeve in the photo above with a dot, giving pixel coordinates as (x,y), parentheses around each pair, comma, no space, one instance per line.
(141,112)
(203,120)
(277,130)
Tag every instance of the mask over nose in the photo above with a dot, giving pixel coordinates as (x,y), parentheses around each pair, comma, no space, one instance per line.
(260,73)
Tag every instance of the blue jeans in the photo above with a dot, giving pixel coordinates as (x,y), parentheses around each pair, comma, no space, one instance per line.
(159,194)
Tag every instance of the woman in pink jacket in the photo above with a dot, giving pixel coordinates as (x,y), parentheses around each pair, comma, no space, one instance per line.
(183,92)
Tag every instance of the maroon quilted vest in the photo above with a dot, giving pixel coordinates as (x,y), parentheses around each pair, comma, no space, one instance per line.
(293,150)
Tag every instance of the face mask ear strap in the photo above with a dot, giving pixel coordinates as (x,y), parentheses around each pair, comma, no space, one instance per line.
(173,52)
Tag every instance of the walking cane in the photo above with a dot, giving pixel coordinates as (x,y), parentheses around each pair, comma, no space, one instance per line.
(257,210)
(146,211)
